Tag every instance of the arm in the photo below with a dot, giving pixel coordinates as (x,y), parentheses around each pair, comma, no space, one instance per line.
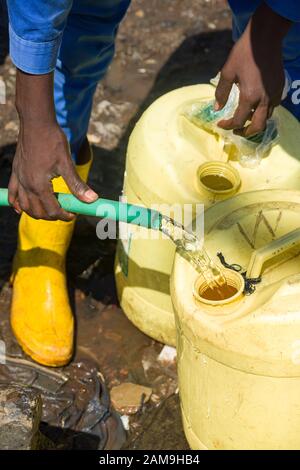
(256,65)
(42,149)
(42,152)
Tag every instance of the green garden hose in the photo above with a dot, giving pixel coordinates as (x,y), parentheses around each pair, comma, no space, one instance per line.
(104,208)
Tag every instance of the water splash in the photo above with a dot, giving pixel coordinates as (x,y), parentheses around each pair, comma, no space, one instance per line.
(194,251)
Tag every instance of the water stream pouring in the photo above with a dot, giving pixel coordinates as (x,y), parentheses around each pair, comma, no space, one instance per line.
(148,218)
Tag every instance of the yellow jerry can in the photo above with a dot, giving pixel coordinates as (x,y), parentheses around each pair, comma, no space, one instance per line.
(239,358)
(168,160)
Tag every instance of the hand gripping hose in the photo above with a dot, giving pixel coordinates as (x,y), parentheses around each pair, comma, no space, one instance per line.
(104,208)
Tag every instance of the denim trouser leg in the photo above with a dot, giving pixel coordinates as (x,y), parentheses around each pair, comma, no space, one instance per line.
(85,54)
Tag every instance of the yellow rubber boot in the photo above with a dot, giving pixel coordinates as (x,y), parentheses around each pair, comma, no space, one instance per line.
(41,316)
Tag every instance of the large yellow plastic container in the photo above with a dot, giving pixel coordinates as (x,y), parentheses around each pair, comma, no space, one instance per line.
(164,155)
(239,362)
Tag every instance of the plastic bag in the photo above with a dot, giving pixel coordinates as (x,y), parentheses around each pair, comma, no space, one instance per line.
(249,151)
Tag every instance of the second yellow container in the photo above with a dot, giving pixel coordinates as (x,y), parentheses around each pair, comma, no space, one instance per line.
(239,358)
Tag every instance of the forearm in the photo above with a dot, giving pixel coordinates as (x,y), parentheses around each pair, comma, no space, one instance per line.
(42,153)
(34,99)
(267,25)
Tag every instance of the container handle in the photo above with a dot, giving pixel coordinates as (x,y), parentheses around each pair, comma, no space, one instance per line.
(267,252)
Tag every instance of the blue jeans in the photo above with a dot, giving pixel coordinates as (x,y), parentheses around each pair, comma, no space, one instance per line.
(87,49)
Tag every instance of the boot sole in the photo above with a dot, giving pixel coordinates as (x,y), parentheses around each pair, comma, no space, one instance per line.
(41,360)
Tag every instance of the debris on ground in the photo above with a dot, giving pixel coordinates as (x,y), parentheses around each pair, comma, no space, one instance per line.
(128,398)
(160,429)
(20,417)
(167,355)
(74,401)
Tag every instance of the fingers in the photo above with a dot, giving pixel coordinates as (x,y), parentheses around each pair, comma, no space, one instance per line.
(23,199)
(38,159)
(53,209)
(80,189)
(44,206)
(258,122)
(223,90)
(13,193)
(246,111)
(242,114)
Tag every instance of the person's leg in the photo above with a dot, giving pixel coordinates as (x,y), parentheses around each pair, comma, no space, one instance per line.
(242,12)
(87,50)
(41,314)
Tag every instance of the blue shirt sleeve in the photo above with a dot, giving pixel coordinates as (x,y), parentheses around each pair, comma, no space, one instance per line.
(289,9)
(35,30)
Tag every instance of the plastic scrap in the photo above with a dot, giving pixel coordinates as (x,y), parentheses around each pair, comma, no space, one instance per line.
(249,151)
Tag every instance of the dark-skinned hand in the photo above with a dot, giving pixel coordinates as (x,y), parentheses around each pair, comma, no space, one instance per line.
(42,154)
(255,64)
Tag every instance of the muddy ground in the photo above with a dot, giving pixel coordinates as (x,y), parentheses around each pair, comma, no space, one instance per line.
(162,44)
